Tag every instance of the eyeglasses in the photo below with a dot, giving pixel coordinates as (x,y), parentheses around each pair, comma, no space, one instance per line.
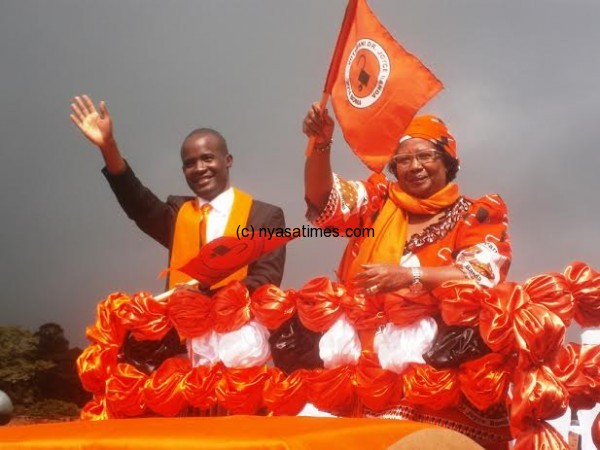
(423,157)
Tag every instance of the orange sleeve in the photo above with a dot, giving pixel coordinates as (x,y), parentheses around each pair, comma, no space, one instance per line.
(484,251)
(349,201)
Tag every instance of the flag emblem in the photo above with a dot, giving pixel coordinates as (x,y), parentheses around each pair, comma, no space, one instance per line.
(366,73)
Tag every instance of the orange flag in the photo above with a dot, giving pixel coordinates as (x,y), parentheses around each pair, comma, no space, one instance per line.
(227,254)
(376,86)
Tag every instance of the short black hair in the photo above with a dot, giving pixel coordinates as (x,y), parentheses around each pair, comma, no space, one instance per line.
(212,132)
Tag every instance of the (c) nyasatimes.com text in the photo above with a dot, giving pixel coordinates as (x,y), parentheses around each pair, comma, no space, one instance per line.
(304,231)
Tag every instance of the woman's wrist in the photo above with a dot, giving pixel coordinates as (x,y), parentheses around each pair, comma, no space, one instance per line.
(323,147)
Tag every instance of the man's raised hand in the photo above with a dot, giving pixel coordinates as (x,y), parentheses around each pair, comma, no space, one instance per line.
(95,125)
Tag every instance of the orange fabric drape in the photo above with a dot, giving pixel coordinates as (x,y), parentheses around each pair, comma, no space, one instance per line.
(108,330)
(285,395)
(190,312)
(376,388)
(552,290)
(265,433)
(584,282)
(331,389)
(576,367)
(124,390)
(231,306)
(94,365)
(186,239)
(198,386)
(145,317)
(240,390)
(537,395)
(460,302)
(319,303)
(162,391)
(436,389)
(484,381)
(403,307)
(272,306)
(540,436)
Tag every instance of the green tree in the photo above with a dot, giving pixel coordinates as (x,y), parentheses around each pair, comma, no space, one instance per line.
(52,343)
(20,367)
(61,382)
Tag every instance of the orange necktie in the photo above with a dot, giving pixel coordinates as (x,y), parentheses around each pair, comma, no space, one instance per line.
(204,211)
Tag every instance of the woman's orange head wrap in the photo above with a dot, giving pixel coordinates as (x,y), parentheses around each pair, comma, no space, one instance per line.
(433,129)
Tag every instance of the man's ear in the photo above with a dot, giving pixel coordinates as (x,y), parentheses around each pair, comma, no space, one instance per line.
(229,160)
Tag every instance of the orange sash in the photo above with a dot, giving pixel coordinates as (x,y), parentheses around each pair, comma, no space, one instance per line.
(390,226)
(186,239)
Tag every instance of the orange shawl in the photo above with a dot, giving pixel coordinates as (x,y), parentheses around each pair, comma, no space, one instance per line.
(390,226)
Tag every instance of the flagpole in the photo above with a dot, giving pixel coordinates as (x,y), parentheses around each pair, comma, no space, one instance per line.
(165,295)
(336,59)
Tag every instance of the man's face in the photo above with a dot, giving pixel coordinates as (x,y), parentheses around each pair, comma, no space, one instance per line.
(205,165)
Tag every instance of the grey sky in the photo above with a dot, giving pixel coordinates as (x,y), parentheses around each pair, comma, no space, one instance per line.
(521,97)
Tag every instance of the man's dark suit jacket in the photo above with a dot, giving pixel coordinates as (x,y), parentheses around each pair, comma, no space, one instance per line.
(157,219)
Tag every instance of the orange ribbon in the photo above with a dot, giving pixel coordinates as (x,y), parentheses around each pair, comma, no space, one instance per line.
(145,317)
(124,390)
(162,391)
(585,287)
(272,306)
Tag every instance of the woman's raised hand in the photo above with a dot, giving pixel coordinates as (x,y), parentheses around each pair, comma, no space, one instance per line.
(318,124)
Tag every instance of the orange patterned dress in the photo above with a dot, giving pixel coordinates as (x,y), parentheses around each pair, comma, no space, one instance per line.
(471,235)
